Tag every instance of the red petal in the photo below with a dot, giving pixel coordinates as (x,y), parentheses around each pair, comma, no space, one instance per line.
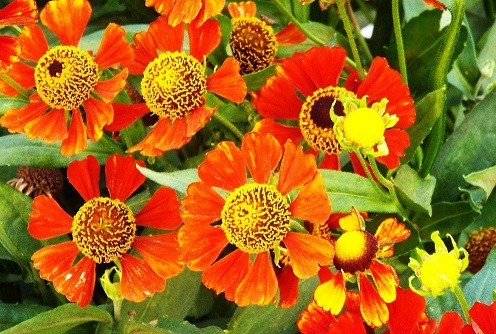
(76,140)
(315,320)
(184,11)
(98,114)
(373,308)
(484,316)
(390,231)
(48,219)
(281,132)
(203,39)
(165,36)
(16,119)
(261,165)
(227,82)
(122,177)
(126,114)
(197,119)
(385,280)
(78,283)
(312,203)
(164,133)
(296,168)
(10,49)
(451,323)
(405,312)
(108,89)
(144,52)
(397,141)
(290,35)
(436,4)
(84,175)
(53,260)
(278,100)
(114,48)
(330,161)
(288,287)
(202,204)
(161,211)
(19,12)
(50,127)
(348,323)
(33,42)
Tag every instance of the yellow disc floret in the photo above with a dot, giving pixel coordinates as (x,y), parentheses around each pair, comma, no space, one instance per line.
(255,217)
(355,251)
(104,229)
(439,272)
(174,84)
(65,76)
(363,127)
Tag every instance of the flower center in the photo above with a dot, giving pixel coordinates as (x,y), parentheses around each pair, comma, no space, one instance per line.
(440,271)
(315,120)
(255,217)
(355,251)
(173,84)
(104,229)
(363,127)
(253,44)
(65,76)
(479,245)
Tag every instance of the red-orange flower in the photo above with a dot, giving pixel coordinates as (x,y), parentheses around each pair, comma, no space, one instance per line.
(174,84)
(66,78)
(186,11)
(436,4)
(104,230)
(255,218)
(306,87)
(357,259)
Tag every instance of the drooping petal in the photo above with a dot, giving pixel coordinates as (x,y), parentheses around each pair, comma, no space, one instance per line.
(390,231)
(312,202)
(348,322)
(451,323)
(165,36)
(484,316)
(114,48)
(281,132)
(314,319)
(373,308)
(161,211)
(288,287)
(33,42)
(16,119)
(76,140)
(55,259)
(203,39)
(307,252)
(296,168)
(184,11)
(290,35)
(19,12)
(108,89)
(405,312)
(48,219)
(209,9)
(197,119)
(261,165)
(175,136)
(331,294)
(202,204)
(122,177)
(10,50)
(330,161)
(227,82)
(77,283)
(138,280)
(50,127)
(84,175)
(126,114)
(163,134)
(98,114)
(385,280)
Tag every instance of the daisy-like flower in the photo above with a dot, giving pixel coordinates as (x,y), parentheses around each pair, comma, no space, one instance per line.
(16,13)
(307,86)
(104,231)
(186,11)
(479,245)
(226,211)
(252,41)
(174,84)
(357,259)
(66,78)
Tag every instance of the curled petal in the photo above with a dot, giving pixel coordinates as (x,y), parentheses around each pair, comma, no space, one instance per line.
(385,280)
(84,175)
(261,166)
(373,308)
(161,211)
(77,283)
(48,219)
(122,176)
(53,260)
(138,281)
(390,231)
(76,140)
(307,253)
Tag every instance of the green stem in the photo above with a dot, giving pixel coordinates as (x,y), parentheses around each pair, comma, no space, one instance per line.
(296,226)
(358,33)
(399,40)
(224,121)
(15,85)
(349,32)
(367,171)
(117,309)
(463,302)
(365,10)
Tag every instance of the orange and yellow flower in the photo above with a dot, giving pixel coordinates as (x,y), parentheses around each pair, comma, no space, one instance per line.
(174,84)
(104,231)
(226,211)
(66,78)
(357,259)
(186,11)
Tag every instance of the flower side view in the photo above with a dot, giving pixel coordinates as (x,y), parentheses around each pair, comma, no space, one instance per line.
(254,218)
(178,11)
(104,231)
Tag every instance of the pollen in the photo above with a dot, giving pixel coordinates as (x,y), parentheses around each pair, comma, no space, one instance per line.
(255,217)
(355,251)
(174,84)
(479,245)
(104,229)
(65,76)
(253,44)
(363,127)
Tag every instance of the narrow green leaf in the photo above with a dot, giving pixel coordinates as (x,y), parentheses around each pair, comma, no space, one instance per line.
(482,285)
(256,80)
(178,180)
(414,191)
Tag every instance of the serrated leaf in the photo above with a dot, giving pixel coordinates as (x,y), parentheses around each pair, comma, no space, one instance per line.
(178,180)
(481,286)
(414,191)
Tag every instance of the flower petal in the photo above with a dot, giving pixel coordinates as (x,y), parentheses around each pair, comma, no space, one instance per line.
(390,231)
(184,11)
(114,49)
(17,118)
(242,9)
(373,308)
(53,260)
(288,287)
(314,320)
(197,119)
(108,89)
(84,175)
(203,39)
(77,283)
(385,280)
(161,211)
(261,166)
(144,52)
(278,100)
(138,280)
(484,316)
(48,219)
(227,82)
(202,204)
(98,114)
(19,12)
(10,49)
(405,312)
(165,36)
(451,323)
(126,114)
(296,168)
(209,9)
(281,132)
(397,141)
(122,177)
(331,294)
(307,252)
(312,203)
(33,42)
(76,140)
(50,127)
(290,35)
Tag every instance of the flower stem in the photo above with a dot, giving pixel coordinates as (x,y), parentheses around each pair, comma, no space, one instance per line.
(462,301)
(15,85)
(367,171)
(224,121)
(349,32)
(117,309)
(358,33)
(399,40)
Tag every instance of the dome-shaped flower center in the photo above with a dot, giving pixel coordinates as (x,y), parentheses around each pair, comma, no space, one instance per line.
(363,127)
(440,271)
(65,76)
(315,120)
(253,44)
(479,245)
(104,229)
(173,84)
(355,251)
(255,217)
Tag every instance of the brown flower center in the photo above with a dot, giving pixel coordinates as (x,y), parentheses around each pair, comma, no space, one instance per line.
(355,251)
(479,245)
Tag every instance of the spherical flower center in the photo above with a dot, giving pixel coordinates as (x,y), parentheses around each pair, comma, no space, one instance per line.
(253,44)
(315,119)
(439,272)
(479,245)
(364,127)
(65,76)
(174,84)
(104,229)
(354,251)
(255,217)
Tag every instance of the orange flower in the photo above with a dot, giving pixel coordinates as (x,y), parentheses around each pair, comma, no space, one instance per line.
(66,78)
(175,83)
(436,4)
(357,256)
(313,75)
(104,230)
(187,10)
(255,218)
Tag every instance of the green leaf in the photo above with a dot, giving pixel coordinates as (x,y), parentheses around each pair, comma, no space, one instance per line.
(481,286)
(255,80)
(485,179)
(414,191)
(169,326)
(485,219)
(61,319)
(178,180)
(487,54)
(13,314)
(8,102)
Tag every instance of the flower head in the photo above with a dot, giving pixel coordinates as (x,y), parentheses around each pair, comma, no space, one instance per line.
(34,181)
(255,218)
(104,231)
(67,79)
(187,11)
(479,245)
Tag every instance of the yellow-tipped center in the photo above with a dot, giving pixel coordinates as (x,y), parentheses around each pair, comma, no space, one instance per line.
(174,84)
(104,229)
(355,251)
(65,76)
(253,44)
(315,119)
(439,272)
(363,127)
(255,217)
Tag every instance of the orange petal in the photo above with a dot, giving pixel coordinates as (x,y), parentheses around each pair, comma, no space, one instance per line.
(261,166)
(161,211)
(161,252)
(296,168)
(242,9)
(23,74)
(290,35)
(184,11)
(197,119)
(50,127)
(161,6)
(165,36)
(307,253)
(281,132)
(227,82)
(98,114)
(209,9)
(385,280)
(16,119)
(315,320)
(10,49)
(144,52)
(53,260)
(390,231)
(126,114)
(202,204)
(122,177)
(436,4)
(348,323)
(161,132)
(67,19)
(204,39)
(331,294)
(84,175)
(138,280)
(48,219)
(223,167)
(77,283)
(108,89)
(33,42)
(373,308)
(259,285)
(278,100)
(114,48)
(175,136)
(288,287)
(19,12)
(312,203)
(76,140)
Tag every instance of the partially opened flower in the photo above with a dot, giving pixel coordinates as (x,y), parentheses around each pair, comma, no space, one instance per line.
(357,259)
(174,84)
(237,229)
(178,11)
(67,79)
(104,231)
